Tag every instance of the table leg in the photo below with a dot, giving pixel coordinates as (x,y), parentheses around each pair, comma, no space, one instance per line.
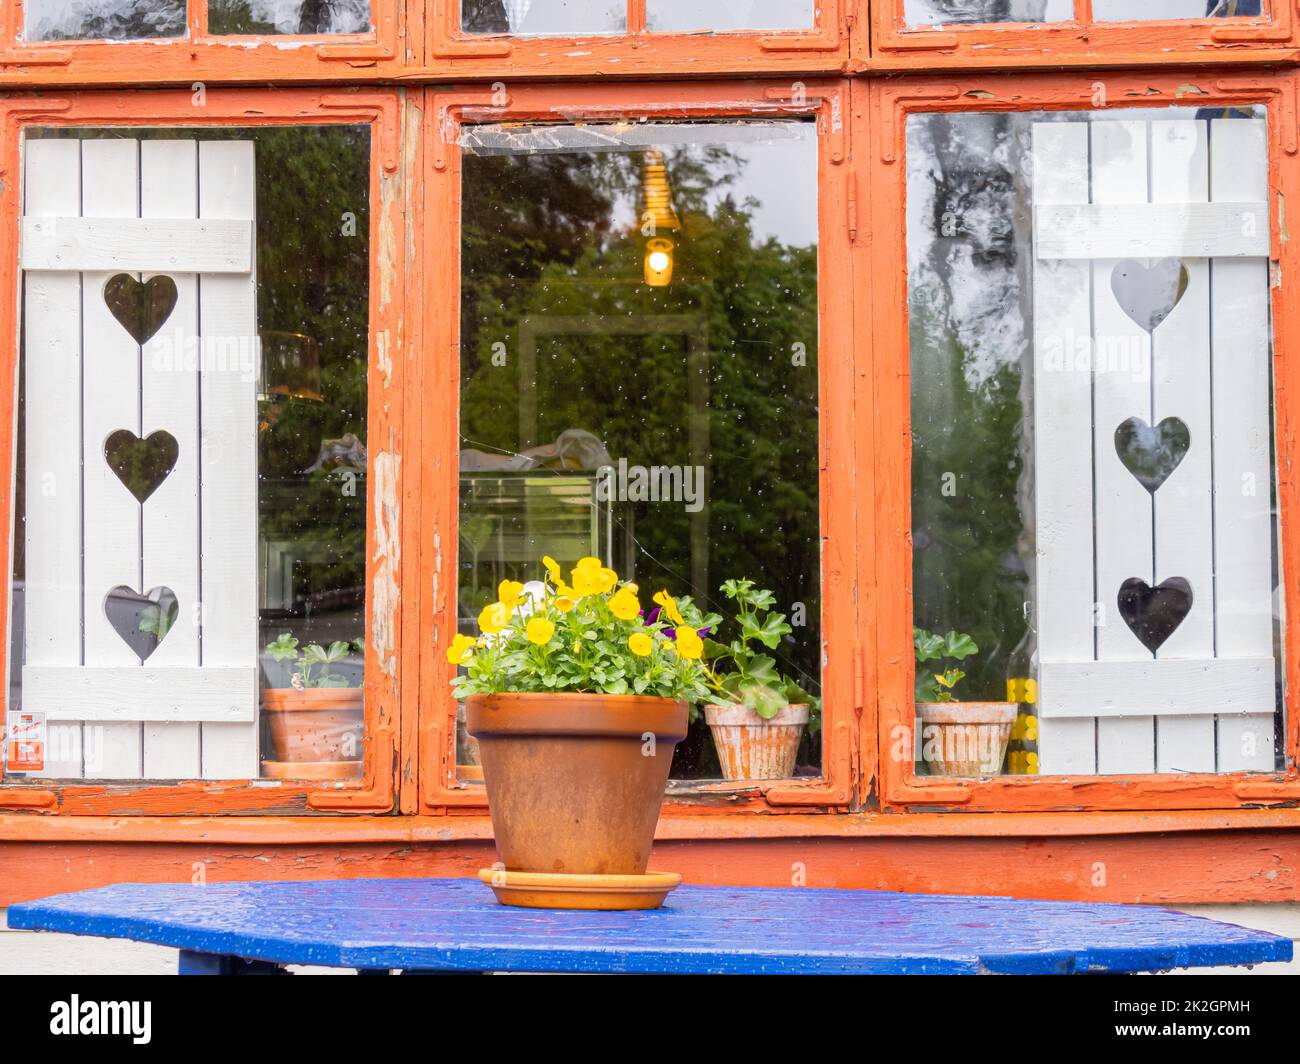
(195,962)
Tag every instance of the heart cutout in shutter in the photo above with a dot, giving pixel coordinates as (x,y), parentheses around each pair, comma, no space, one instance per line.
(141,464)
(1153,614)
(1152,454)
(142,621)
(140,308)
(1148,291)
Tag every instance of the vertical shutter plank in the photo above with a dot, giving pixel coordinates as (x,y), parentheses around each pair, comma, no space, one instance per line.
(111,398)
(1243,519)
(1184,516)
(228,310)
(169,401)
(1063,468)
(1119,175)
(52,470)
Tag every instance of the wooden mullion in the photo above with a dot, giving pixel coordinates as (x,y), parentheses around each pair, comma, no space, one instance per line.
(196,18)
(636,17)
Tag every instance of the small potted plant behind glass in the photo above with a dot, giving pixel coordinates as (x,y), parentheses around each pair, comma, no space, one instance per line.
(756,713)
(577,701)
(313,705)
(957,738)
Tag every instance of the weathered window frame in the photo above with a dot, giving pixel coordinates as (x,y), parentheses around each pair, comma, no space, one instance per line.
(387,656)
(892,102)
(638,51)
(1080,41)
(201,56)
(439,370)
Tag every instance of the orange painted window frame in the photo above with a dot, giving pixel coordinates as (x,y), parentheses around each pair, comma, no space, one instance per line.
(387,656)
(890,401)
(201,56)
(438,355)
(1080,41)
(639,52)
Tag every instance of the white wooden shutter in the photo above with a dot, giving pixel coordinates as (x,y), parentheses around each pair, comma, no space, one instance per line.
(94,210)
(1125,197)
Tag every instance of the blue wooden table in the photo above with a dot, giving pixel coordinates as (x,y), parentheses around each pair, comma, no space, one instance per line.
(377,925)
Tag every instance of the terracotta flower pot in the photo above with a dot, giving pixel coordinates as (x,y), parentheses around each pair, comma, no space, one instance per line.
(314,724)
(965,738)
(574,783)
(751,748)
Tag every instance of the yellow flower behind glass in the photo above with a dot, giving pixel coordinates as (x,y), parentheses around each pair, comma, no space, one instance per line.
(641,645)
(493,618)
(509,593)
(669,605)
(624,605)
(461,650)
(689,643)
(539,631)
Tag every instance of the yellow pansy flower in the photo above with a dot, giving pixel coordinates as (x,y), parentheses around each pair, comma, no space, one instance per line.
(689,644)
(552,568)
(669,605)
(539,631)
(641,645)
(509,592)
(494,618)
(624,605)
(564,603)
(592,578)
(461,650)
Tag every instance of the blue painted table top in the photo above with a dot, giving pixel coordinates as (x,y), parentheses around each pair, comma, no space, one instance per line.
(456,924)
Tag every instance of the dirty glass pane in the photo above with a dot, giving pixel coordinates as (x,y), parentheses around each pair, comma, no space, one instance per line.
(945,12)
(303,17)
(61,20)
(660,414)
(1152,10)
(188,592)
(543,17)
(1094,511)
(686,16)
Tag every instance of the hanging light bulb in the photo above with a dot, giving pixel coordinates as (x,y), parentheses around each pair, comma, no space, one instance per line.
(658,219)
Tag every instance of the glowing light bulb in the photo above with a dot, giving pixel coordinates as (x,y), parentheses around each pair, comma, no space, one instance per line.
(658,262)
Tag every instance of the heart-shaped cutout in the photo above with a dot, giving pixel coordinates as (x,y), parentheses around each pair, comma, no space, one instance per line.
(1153,614)
(1148,291)
(141,309)
(142,621)
(1152,454)
(141,464)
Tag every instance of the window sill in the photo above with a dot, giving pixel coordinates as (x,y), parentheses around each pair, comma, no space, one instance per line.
(278,830)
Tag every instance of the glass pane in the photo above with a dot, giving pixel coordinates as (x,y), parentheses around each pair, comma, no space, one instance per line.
(685,16)
(639,373)
(304,17)
(60,20)
(536,18)
(191,467)
(942,12)
(1093,479)
(1152,10)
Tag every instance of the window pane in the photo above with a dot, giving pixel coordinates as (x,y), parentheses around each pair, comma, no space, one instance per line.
(662,418)
(543,17)
(1151,10)
(1093,497)
(937,12)
(305,17)
(59,20)
(684,16)
(191,467)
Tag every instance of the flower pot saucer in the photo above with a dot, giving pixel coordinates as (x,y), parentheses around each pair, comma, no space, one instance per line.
(311,770)
(562,890)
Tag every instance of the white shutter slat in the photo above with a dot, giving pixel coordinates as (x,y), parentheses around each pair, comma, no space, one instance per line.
(185,696)
(163,242)
(1063,417)
(1151,230)
(1123,507)
(228,307)
(170,402)
(52,470)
